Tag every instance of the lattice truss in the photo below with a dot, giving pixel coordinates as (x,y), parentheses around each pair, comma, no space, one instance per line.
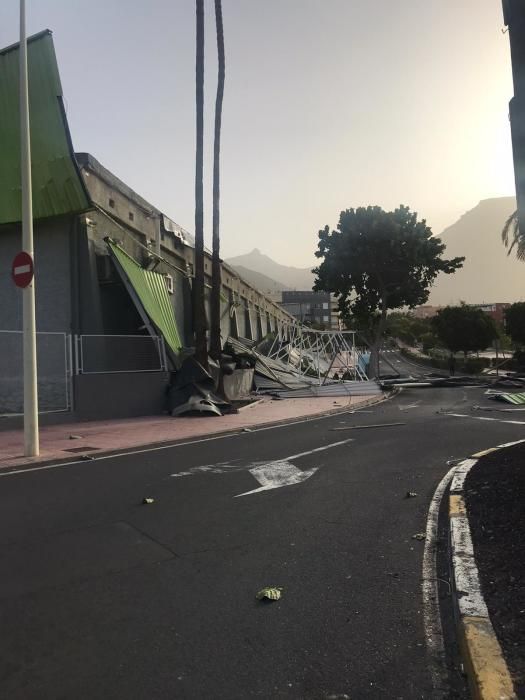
(331,355)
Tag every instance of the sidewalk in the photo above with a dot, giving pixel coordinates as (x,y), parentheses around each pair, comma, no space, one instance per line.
(106,436)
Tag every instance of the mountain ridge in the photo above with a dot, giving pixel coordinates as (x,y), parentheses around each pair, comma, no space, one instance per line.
(488,275)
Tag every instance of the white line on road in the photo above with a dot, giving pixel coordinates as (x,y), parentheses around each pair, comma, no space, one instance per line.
(98,458)
(498,420)
(429,587)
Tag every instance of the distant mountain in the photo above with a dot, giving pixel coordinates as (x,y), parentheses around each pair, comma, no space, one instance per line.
(290,277)
(261,282)
(488,274)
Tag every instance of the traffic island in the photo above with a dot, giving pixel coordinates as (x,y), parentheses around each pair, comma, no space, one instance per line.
(487,519)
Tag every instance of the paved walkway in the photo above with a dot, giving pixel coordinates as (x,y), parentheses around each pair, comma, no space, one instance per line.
(56,441)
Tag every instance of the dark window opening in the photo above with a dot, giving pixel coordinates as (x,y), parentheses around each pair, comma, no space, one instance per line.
(112,203)
(131,216)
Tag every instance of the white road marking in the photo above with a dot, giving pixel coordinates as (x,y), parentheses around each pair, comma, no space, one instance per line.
(12,472)
(274,475)
(497,420)
(277,474)
(405,407)
(429,588)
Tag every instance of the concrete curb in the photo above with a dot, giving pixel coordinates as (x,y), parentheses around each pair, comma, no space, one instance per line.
(485,666)
(7,468)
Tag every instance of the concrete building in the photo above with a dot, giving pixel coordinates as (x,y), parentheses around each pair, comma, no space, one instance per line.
(308,307)
(495,311)
(113,274)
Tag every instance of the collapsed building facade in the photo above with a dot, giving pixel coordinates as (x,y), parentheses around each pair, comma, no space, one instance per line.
(113,274)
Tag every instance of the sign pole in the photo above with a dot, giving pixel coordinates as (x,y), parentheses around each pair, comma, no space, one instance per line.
(31,440)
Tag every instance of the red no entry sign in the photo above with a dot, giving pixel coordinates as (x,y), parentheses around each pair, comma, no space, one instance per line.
(22,269)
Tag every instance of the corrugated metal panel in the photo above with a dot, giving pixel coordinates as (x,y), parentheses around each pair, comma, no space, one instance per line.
(57,185)
(339,389)
(152,292)
(512,398)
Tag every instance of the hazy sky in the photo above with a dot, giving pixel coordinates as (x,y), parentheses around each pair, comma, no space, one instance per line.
(328,104)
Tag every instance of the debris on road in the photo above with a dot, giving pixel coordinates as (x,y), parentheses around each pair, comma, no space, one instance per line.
(75,437)
(148,501)
(410,494)
(510,398)
(374,425)
(270,593)
(419,536)
(247,430)
(87,457)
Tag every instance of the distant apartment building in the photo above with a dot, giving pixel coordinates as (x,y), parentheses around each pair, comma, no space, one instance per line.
(425,311)
(319,308)
(495,311)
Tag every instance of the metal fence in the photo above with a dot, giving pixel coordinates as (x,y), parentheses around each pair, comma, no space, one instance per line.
(101,354)
(54,364)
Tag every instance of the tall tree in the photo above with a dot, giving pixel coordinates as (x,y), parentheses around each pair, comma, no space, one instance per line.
(464,328)
(199,311)
(376,261)
(215,337)
(515,322)
(512,237)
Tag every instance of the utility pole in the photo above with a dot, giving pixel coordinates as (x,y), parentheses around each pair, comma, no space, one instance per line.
(31,439)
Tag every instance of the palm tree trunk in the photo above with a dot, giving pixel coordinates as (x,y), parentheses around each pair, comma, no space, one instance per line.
(199,312)
(215,340)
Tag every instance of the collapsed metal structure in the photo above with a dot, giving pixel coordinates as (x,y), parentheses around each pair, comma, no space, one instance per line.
(300,362)
(329,354)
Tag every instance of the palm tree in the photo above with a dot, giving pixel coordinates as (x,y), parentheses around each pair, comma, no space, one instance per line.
(512,237)
(199,311)
(215,335)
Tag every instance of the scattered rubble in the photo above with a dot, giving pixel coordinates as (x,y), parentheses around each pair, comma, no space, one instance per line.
(269,593)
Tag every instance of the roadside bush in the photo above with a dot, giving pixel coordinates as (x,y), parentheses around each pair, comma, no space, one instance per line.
(474,365)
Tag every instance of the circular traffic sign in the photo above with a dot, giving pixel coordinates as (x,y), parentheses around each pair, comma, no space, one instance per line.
(22,269)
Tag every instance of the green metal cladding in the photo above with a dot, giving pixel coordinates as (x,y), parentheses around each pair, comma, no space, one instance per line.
(57,185)
(153,294)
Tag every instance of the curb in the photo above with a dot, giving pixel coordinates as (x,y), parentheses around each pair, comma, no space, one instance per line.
(210,436)
(487,672)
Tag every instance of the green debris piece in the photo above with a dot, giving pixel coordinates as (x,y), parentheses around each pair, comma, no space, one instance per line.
(148,501)
(270,592)
(419,536)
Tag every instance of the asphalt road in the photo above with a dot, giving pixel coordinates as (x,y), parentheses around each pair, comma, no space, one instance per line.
(103,597)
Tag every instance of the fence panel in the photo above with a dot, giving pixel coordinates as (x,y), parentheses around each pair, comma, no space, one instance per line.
(100,354)
(53,367)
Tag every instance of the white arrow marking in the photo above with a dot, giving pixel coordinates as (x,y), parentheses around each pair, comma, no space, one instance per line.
(277,474)
(409,405)
(273,475)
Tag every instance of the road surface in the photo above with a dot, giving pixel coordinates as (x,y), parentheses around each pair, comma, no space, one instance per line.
(104,597)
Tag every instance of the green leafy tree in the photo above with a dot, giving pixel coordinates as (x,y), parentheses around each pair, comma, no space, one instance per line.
(512,237)
(377,261)
(464,328)
(407,327)
(515,322)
